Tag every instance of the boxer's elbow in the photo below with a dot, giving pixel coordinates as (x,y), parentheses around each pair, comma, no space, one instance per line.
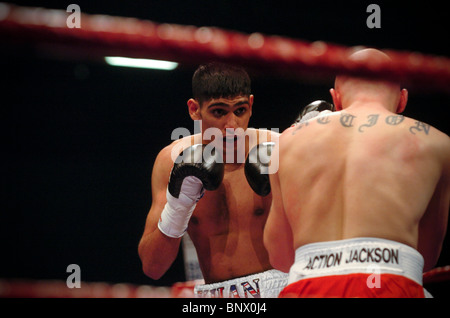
(280,263)
(280,255)
(154,272)
(150,267)
(276,258)
(157,253)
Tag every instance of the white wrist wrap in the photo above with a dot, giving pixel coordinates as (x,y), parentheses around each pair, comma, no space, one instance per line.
(178,211)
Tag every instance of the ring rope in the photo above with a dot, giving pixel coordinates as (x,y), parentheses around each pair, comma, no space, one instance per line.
(437,275)
(22,288)
(143,38)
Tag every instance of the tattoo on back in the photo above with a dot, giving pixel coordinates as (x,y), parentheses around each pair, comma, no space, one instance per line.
(347,121)
(394,120)
(372,120)
(300,126)
(420,126)
(323,120)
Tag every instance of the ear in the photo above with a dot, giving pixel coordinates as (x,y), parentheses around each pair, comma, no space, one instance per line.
(194,109)
(403,101)
(250,103)
(336,99)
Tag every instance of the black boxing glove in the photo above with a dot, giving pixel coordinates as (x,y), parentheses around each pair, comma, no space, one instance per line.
(194,171)
(256,168)
(257,162)
(197,163)
(313,109)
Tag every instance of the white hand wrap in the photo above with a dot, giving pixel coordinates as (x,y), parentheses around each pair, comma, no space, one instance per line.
(178,211)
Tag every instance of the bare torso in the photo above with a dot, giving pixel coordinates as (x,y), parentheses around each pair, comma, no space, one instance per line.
(227,226)
(363,172)
(227,229)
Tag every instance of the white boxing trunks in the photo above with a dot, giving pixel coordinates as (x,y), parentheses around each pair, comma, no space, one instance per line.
(358,267)
(266,284)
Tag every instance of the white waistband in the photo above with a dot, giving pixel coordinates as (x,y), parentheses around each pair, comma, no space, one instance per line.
(357,255)
(266,284)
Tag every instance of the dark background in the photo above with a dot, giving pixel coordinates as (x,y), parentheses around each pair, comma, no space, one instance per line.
(80,137)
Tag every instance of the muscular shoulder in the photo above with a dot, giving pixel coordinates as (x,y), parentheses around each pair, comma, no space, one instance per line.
(433,143)
(432,136)
(441,145)
(166,157)
(262,135)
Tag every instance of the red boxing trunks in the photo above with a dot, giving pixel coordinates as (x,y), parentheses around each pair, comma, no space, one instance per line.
(360,267)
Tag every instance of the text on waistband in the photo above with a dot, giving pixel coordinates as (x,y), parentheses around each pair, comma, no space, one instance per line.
(242,290)
(359,255)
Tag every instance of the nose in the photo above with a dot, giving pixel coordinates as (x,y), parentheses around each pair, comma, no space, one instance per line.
(231,122)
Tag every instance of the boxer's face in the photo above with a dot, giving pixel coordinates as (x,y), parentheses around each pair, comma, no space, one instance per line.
(225,114)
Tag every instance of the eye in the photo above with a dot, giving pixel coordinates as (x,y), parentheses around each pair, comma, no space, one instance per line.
(219,112)
(240,111)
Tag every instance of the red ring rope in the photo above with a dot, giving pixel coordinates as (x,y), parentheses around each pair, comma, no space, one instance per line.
(15,288)
(436,275)
(108,35)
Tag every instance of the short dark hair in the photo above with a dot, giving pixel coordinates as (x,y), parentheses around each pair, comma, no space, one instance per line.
(219,80)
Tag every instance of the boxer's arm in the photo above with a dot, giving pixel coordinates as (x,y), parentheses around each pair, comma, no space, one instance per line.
(278,238)
(433,224)
(156,250)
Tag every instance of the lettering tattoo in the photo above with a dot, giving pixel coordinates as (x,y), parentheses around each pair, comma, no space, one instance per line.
(394,120)
(347,120)
(372,120)
(420,126)
(323,120)
(300,126)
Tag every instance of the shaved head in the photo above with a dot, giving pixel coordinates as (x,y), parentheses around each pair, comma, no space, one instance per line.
(364,89)
(370,54)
